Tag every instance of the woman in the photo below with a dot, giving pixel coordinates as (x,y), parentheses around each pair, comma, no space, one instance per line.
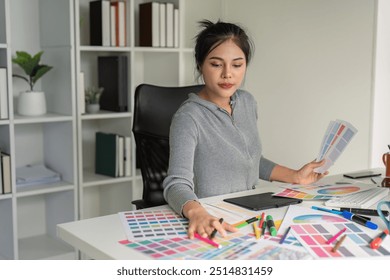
(214,140)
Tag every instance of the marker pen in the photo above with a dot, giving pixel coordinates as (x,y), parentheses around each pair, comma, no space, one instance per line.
(376,242)
(370,212)
(271,226)
(359,220)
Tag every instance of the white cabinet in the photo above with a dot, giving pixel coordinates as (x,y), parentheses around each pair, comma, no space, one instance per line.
(64,138)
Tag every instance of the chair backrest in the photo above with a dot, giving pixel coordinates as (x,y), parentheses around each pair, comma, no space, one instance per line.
(154,107)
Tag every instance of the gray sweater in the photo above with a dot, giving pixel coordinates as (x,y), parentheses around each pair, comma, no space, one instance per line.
(213,152)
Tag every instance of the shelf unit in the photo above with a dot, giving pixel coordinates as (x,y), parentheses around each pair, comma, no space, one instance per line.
(29,216)
(64,138)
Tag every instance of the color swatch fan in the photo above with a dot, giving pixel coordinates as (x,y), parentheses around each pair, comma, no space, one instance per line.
(338,135)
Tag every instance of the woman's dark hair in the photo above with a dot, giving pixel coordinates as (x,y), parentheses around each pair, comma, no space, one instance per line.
(214,34)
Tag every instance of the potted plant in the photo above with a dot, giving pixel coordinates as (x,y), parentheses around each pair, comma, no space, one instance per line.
(31,103)
(92,97)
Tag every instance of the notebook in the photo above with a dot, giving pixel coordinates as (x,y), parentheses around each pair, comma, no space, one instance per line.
(262,201)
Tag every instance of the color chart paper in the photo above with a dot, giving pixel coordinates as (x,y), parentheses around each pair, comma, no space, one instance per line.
(330,189)
(357,243)
(151,224)
(234,247)
(303,215)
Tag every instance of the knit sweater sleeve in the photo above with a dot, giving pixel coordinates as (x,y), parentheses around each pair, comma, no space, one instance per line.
(179,183)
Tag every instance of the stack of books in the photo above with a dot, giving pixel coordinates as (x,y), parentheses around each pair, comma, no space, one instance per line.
(158,25)
(107,23)
(112,154)
(35,175)
(5,173)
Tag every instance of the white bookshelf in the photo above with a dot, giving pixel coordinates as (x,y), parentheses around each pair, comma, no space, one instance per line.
(64,138)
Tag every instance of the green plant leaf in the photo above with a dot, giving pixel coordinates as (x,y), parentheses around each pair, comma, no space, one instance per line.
(40,71)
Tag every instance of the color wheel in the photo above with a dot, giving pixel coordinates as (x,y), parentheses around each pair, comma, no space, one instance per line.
(315,218)
(339,190)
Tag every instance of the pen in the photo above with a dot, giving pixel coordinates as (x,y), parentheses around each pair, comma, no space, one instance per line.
(271,225)
(212,235)
(376,242)
(327,210)
(364,217)
(359,220)
(284,236)
(208,241)
(256,230)
(246,222)
(370,212)
(334,237)
(338,243)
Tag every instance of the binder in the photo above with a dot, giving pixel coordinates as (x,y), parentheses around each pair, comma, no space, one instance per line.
(106,154)
(113,77)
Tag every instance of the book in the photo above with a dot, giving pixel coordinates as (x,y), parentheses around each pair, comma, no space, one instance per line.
(119,22)
(149,20)
(1,177)
(3,94)
(113,77)
(33,175)
(169,25)
(113,25)
(99,23)
(81,93)
(127,156)
(106,154)
(176,28)
(6,172)
(163,24)
(121,156)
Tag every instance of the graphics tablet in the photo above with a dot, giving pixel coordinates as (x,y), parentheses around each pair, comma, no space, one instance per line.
(262,201)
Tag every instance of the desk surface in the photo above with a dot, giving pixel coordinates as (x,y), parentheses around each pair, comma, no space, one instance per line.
(98,237)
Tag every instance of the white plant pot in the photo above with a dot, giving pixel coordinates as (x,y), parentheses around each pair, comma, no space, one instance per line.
(32,103)
(93,108)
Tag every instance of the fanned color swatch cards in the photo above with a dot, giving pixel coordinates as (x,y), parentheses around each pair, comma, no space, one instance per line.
(151,224)
(337,136)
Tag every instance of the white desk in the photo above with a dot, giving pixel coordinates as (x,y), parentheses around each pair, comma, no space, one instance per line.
(98,237)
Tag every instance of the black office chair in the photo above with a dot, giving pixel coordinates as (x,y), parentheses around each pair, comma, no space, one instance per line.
(154,107)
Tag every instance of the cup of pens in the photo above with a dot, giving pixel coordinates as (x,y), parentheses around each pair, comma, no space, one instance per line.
(386,161)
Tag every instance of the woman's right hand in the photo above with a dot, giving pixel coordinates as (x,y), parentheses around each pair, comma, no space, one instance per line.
(202,222)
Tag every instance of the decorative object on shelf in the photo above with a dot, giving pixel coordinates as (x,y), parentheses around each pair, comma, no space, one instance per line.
(31,103)
(92,97)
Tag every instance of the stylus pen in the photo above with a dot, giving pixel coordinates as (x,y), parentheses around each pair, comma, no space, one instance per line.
(212,235)
(370,212)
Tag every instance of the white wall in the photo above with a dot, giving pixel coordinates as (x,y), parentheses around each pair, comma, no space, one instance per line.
(381,97)
(313,63)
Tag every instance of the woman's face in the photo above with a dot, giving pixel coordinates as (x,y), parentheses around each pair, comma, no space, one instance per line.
(223,71)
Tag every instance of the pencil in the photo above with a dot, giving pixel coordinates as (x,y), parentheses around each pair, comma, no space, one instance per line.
(338,244)
(284,236)
(262,219)
(208,241)
(256,230)
(333,238)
